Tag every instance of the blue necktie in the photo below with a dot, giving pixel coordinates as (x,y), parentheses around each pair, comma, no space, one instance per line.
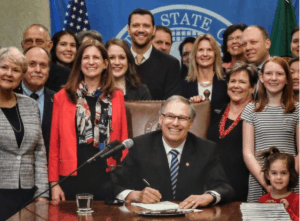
(174,170)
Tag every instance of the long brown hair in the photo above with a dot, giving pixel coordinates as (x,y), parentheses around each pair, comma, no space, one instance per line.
(287,98)
(131,75)
(193,70)
(76,75)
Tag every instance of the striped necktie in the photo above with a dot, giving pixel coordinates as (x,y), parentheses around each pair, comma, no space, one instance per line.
(174,170)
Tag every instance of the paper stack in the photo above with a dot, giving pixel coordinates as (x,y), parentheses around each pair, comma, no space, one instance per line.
(264,211)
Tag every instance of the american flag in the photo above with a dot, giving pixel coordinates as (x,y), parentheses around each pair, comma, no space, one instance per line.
(76,18)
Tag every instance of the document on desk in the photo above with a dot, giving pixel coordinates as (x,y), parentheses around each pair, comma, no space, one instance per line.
(160,206)
(264,211)
(163,206)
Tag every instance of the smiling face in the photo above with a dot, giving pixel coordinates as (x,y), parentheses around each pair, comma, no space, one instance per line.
(92,64)
(162,41)
(279,175)
(10,75)
(38,69)
(239,88)
(66,49)
(274,78)
(295,44)
(205,56)
(118,60)
(141,30)
(234,43)
(255,47)
(295,75)
(175,131)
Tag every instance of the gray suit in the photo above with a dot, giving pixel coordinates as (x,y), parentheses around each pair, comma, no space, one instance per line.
(26,165)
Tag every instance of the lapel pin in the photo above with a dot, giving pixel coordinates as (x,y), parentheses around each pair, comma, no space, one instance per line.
(187,164)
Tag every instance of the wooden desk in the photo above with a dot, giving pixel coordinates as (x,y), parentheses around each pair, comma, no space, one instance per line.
(66,211)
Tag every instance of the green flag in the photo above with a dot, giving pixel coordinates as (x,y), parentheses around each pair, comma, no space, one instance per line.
(284,23)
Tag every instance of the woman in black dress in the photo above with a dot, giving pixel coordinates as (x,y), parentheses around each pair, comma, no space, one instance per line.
(226,129)
(124,71)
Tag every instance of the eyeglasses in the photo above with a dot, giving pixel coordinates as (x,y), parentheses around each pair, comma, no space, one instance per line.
(38,41)
(171,117)
(237,38)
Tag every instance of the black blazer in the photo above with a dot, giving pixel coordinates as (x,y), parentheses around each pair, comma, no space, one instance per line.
(219,95)
(199,168)
(47,115)
(58,76)
(137,94)
(161,73)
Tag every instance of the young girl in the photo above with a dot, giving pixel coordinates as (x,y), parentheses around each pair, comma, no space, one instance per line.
(272,120)
(279,172)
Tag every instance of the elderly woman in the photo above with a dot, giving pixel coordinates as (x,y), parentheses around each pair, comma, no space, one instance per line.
(23,164)
(124,71)
(226,129)
(88,113)
(205,74)
(64,48)
(232,45)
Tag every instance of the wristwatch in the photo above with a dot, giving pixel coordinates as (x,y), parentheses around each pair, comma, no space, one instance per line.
(216,197)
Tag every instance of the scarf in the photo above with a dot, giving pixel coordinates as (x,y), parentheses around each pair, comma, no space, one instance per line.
(102,124)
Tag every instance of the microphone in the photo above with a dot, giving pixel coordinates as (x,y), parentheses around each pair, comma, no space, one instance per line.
(111,149)
(126,144)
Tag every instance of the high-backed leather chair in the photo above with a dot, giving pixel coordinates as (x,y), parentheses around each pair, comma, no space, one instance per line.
(142,117)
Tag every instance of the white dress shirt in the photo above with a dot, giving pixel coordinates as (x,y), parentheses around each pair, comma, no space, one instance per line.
(146,55)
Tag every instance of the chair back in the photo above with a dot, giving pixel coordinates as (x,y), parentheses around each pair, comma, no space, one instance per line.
(142,117)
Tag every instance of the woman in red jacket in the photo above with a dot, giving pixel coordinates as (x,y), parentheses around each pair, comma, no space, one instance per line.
(88,113)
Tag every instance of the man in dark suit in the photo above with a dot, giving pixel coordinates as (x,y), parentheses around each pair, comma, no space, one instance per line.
(256,44)
(158,70)
(175,163)
(33,85)
(38,35)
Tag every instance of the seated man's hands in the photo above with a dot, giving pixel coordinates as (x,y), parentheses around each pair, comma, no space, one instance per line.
(147,195)
(194,201)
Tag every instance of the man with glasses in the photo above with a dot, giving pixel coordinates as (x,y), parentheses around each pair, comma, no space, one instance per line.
(173,164)
(38,35)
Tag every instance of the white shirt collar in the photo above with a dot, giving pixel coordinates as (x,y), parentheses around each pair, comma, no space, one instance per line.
(168,148)
(146,55)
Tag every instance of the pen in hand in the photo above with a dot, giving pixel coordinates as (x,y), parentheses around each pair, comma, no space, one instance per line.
(146,182)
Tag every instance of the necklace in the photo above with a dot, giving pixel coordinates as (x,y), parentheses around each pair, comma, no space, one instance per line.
(222,131)
(19,121)
(206,83)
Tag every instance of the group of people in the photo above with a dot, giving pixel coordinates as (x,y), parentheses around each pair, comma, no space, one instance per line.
(63,100)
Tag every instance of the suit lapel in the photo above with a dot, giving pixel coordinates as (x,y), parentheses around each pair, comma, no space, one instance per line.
(188,161)
(162,170)
(47,109)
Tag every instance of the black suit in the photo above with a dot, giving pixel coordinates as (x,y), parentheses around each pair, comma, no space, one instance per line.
(161,73)
(47,115)
(58,76)
(137,94)
(219,95)
(199,168)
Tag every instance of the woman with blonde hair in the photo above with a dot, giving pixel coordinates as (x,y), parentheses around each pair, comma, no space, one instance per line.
(205,75)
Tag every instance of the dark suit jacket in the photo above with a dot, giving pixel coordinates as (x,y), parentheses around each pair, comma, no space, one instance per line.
(137,94)
(58,76)
(161,73)
(47,116)
(219,95)
(199,168)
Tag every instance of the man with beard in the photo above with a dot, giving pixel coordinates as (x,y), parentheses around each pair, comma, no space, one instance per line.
(159,71)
